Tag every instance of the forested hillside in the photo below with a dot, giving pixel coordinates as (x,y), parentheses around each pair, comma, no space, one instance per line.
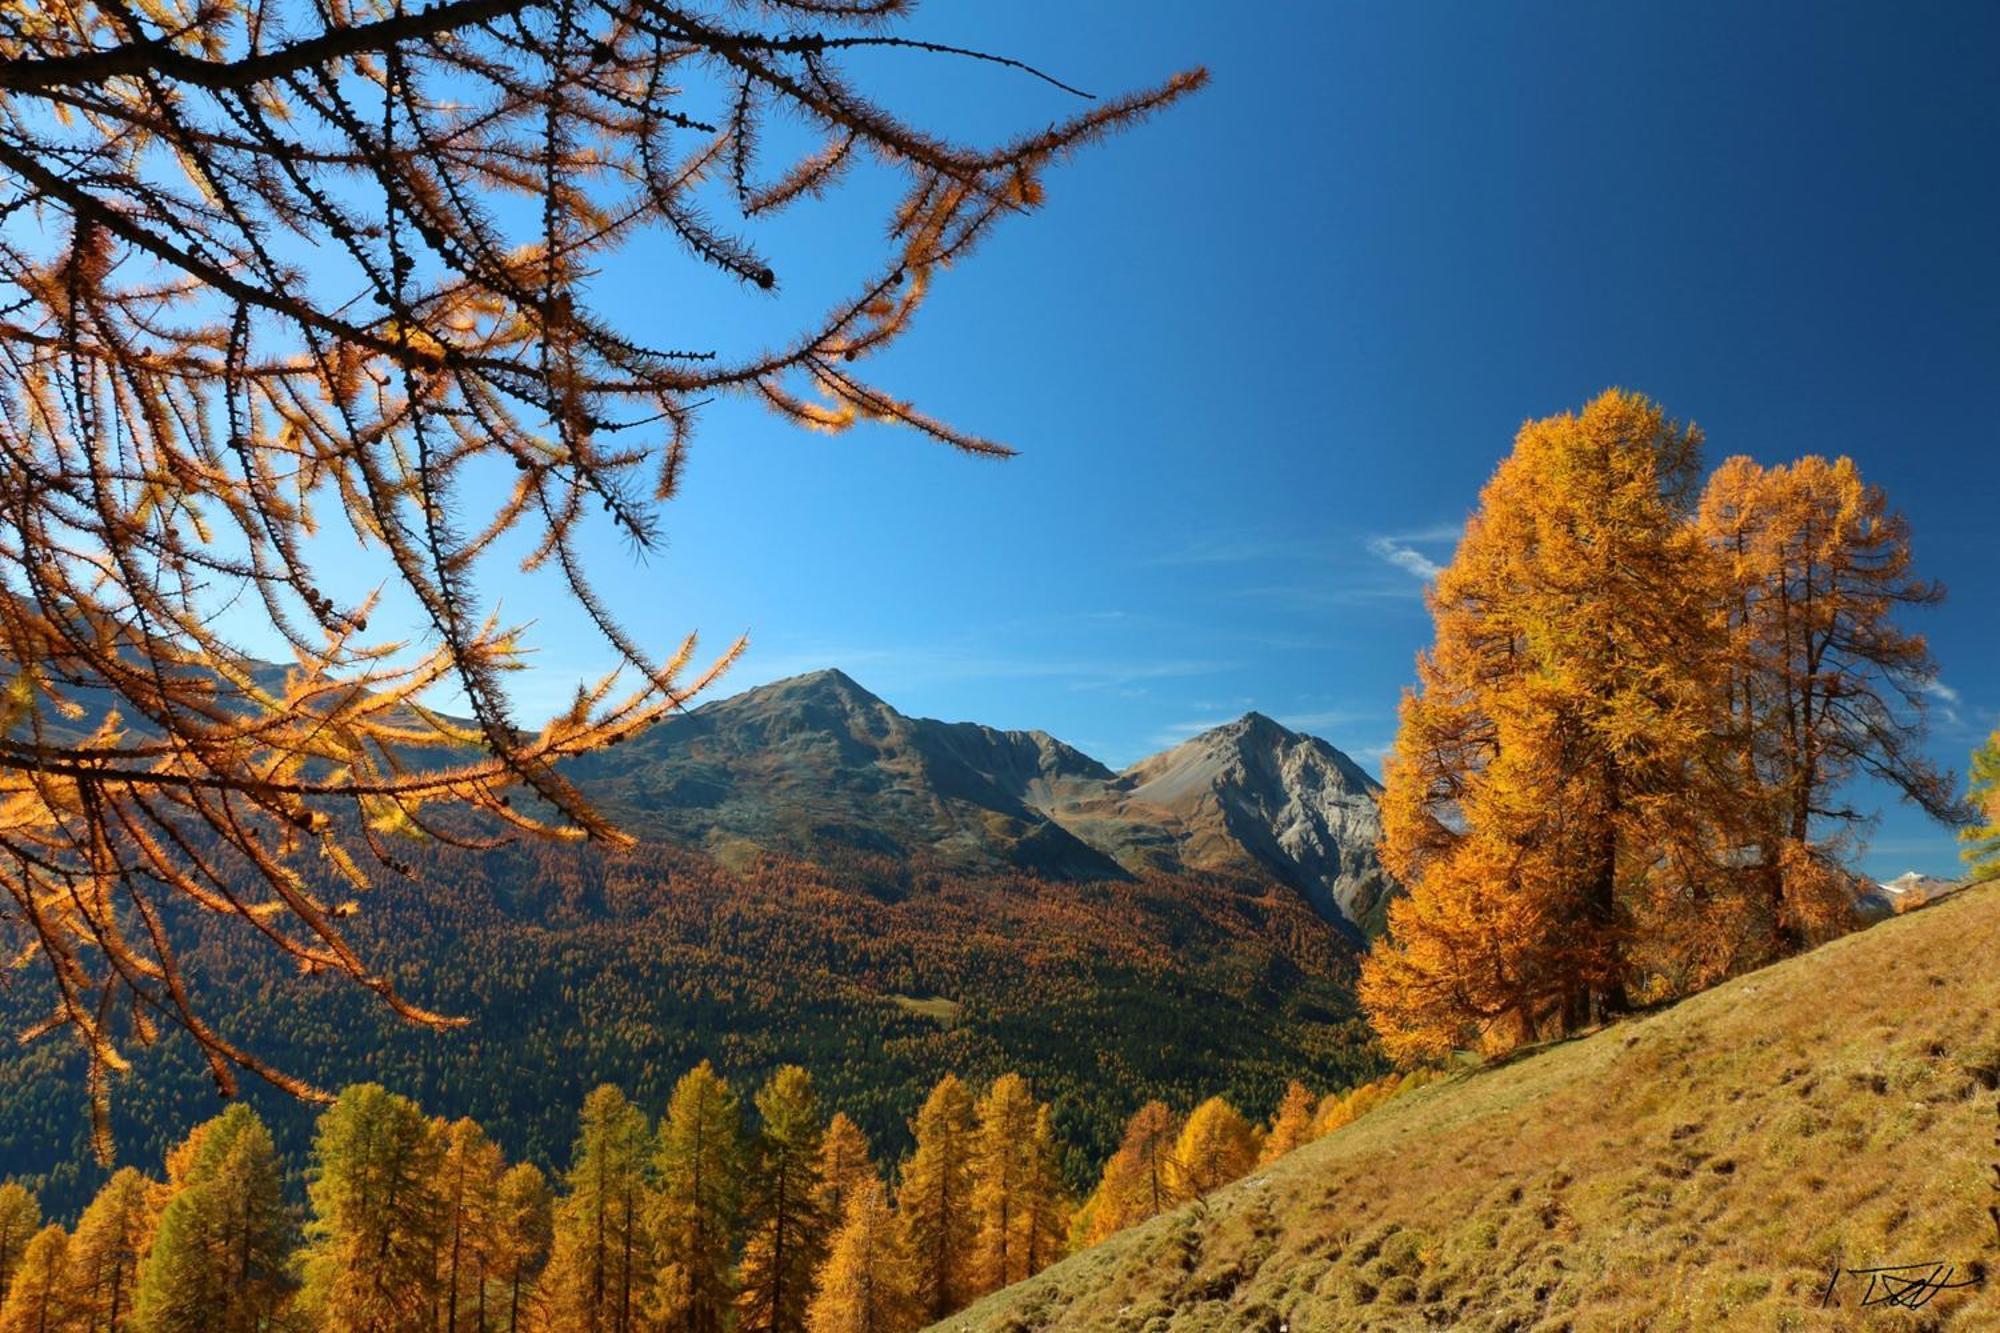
(761,1212)
(575,968)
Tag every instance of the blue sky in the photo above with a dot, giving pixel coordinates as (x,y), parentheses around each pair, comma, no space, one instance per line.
(1260,353)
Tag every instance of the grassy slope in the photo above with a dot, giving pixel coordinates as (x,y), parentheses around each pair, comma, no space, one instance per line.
(1698,1168)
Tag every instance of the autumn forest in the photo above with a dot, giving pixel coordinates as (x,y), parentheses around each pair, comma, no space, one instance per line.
(404,930)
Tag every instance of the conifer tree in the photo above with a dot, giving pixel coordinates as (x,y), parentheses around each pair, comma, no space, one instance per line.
(43,1297)
(1003,1170)
(111,1242)
(785,1229)
(1291,1124)
(1140,1180)
(934,1200)
(845,1164)
(373,1241)
(1982,838)
(1548,768)
(1216,1146)
(865,1284)
(524,1230)
(696,1218)
(1047,1210)
(221,1259)
(603,1265)
(20,1219)
(468,1186)
(1823,683)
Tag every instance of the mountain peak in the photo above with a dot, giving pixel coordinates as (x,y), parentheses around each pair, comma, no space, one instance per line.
(828,685)
(816,760)
(825,677)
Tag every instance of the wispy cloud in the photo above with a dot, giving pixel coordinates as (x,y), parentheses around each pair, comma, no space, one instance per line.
(1948,700)
(1937,689)
(1406,558)
(1406,550)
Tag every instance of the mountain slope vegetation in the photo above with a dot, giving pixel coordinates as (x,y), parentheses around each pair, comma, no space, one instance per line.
(815,764)
(1709,1165)
(575,968)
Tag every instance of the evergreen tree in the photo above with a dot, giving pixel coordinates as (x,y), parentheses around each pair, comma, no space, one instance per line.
(1003,1160)
(845,1164)
(696,1214)
(43,1296)
(221,1259)
(934,1200)
(468,1185)
(1291,1124)
(524,1229)
(377,1226)
(111,1243)
(1140,1180)
(1216,1146)
(865,1285)
(20,1219)
(603,1263)
(1982,839)
(785,1229)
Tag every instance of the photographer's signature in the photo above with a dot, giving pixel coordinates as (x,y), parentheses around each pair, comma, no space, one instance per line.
(1905,1286)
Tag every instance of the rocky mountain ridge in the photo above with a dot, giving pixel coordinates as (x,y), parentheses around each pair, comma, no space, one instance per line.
(817,760)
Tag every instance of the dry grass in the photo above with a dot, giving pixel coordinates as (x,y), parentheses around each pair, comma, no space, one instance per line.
(1703,1167)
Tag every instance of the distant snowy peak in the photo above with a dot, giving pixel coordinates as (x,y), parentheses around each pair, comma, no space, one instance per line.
(1909,889)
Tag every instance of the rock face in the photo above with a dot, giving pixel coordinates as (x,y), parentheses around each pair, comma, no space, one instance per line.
(817,761)
(1255,795)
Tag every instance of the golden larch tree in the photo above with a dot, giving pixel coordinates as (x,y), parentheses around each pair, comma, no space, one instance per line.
(221,1260)
(1045,1226)
(603,1261)
(1216,1146)
(1823,684)
(20,1219)
(1140,1180)
(526,1229)
(43,1297)
(468,1188)
(1003,1168)
(845,1165)
(379,1218)
(934,1199)
(1546,765)
(1982,838)
(1291,1124)
(697,1207)
(867,1284)
(112,1238)
(785,1229)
